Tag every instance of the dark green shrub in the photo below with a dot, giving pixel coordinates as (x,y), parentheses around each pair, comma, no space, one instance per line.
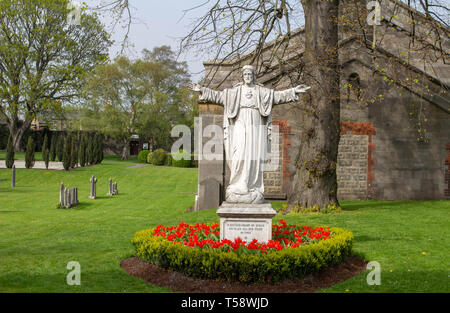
(73,153)
(66,159)
(194,162)
(9,153)
(4,135)
(142,156)
(45,152)
(99,147)
(181,159)
(29,154)
(90,158)
(168,159)
(60,147)
(53,144)
(149,157)
(82,151)
(206,263)
(158,157)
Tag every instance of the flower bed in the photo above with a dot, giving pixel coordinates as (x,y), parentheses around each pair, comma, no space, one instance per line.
(195,250)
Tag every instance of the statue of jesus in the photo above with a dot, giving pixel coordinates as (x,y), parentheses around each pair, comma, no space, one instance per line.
(247,131)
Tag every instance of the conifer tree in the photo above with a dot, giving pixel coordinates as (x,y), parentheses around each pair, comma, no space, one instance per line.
(73,153)
(100,146)
(90,149)
(29,155)
(53,144)
(98,149)
(82,151)
(45,152)
(66,158)
(60,147)
(10,153)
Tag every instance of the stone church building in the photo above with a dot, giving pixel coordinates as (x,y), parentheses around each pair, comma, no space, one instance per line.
(395,115)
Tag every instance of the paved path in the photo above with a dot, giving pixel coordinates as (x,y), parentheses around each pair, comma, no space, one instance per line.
(137,166)
(37,165)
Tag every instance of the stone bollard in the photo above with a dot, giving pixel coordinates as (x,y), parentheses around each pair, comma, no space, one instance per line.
(13,176)
(93,181)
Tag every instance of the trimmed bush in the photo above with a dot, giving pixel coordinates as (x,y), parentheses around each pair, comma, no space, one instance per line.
(100,155)
(53,144)
(181,159)
(159,157)
(66,159)
(73,153)
(90,150)
(142,156)
(45,152)
(206,263)
(82,151)
(194,162)
(168,159)
(60,148)
(9,153)
(149,157)
(29,154)
(4,135)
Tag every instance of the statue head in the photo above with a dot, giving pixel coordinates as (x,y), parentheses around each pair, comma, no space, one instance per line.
(248,75)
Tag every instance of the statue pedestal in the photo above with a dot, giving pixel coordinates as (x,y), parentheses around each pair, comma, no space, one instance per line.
(247,221)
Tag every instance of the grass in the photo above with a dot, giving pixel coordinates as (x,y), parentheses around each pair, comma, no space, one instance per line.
(38,157)
(21,156)
(37,240)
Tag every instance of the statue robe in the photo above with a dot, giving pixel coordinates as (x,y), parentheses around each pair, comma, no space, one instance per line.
(247,135)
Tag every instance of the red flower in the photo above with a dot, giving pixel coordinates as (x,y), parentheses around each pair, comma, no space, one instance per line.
(205,236)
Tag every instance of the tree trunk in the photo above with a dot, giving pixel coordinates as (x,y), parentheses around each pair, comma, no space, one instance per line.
(125,154)
(18,132)
(315,180)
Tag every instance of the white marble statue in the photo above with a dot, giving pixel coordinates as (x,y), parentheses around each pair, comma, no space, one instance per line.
(247,131)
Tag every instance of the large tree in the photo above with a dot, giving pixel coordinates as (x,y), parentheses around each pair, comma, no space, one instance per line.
(42,57)
(142,97)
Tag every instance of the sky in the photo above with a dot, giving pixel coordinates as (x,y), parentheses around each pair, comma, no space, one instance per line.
(158,23)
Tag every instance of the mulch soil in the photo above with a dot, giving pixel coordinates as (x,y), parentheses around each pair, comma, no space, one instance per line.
(353,266)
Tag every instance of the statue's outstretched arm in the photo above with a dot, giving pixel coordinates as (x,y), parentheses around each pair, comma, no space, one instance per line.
(207,94)
(289,95)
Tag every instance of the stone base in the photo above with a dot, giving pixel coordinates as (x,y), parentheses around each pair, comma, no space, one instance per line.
(247,221)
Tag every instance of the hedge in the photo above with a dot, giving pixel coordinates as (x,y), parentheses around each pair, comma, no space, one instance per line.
(142,156)
(149,157)
(158,157)
(181,159)
(208,263)
(168,159)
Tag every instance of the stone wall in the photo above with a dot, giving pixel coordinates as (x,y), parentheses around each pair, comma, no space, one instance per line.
(352,167)
(273,180)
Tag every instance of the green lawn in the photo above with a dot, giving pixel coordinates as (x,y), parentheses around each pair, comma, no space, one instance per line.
(37,240)
(38,157)
(21,156)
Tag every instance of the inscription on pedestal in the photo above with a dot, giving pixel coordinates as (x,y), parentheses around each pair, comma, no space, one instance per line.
(246,229)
